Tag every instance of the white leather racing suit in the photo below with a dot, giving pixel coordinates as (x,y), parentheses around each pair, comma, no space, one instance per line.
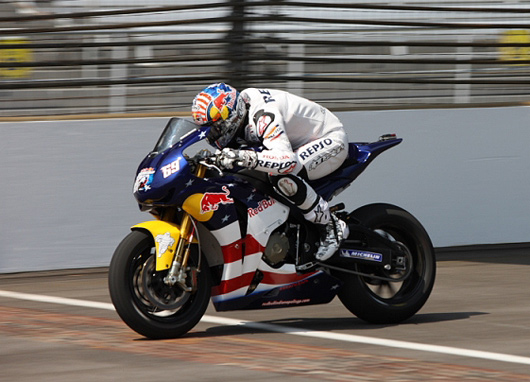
(300,137)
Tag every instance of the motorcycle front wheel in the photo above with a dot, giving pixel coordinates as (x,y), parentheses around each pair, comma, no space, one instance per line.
(388,302)
(144,301)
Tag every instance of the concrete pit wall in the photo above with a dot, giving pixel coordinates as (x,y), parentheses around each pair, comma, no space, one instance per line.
(67,185)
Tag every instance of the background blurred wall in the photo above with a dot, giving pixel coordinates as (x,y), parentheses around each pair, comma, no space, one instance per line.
(67,202)
(71,57)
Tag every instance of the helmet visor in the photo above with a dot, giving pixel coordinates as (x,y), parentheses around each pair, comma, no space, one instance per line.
(221,134)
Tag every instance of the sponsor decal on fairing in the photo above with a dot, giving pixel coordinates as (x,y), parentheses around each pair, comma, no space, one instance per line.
(262,206)
(211,200)
(284,303)
(144,179)
(164,242)
(363,255)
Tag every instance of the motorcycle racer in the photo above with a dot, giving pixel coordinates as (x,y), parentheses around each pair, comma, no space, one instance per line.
(299,140)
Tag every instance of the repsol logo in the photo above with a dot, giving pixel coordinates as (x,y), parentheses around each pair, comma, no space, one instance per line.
(267,97)
(280,167)
(315,148)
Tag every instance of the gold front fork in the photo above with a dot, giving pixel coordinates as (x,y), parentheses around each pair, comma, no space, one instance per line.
(177,272)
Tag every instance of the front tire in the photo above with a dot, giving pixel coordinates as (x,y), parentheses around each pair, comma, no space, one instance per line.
(142,299)
(384,302)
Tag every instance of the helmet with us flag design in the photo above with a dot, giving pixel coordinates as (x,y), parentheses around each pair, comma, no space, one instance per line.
(220,106)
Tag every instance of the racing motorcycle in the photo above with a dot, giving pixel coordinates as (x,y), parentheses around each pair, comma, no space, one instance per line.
(229,237)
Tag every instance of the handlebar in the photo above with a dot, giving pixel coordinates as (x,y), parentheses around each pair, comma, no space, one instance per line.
(207,159)
(212,166)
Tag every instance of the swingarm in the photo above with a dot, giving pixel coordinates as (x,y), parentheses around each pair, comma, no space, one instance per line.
(372,253)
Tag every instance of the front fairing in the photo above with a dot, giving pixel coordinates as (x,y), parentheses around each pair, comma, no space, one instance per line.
(165,178)
(166,171)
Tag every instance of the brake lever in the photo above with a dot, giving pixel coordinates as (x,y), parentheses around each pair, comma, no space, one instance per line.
(205,163)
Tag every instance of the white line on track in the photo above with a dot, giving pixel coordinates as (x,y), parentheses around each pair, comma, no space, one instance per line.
(293,331)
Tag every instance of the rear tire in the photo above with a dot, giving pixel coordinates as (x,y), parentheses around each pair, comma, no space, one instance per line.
(141,298)
(383,302)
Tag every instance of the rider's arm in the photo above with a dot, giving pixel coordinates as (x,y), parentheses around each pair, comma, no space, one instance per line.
(278,156)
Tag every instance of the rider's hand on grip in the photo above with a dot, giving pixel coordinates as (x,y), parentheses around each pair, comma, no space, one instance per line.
(229,157)
(226,158)
(247,158)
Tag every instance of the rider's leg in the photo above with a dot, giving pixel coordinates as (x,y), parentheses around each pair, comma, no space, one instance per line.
(301,194)
(320,158)
(315,210)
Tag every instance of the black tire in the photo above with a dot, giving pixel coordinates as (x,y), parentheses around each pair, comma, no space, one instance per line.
(383,302)
(141,298)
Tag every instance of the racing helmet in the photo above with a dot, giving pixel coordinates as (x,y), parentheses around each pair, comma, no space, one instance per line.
(220,106)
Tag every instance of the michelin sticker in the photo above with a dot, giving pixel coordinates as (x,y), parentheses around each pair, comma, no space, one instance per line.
(164,242)
(363,255)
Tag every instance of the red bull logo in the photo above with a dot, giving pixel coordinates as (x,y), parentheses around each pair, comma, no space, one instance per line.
(211,200)
(262,206)
(214,103)
(222,105)
(222,100)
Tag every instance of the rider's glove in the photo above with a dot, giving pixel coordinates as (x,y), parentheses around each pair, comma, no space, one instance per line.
(247,158)
(226,158)
(244,158)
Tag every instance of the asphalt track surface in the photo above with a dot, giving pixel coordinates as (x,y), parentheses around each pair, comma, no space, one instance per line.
(60,326)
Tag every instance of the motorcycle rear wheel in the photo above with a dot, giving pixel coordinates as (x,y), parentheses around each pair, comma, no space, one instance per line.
(142,299)
(384,302)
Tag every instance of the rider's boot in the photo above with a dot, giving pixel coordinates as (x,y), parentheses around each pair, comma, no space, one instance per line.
(332,236)
(315,210)
(333,232)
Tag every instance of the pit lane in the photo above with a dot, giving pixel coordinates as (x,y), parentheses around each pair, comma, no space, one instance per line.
(474,327)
